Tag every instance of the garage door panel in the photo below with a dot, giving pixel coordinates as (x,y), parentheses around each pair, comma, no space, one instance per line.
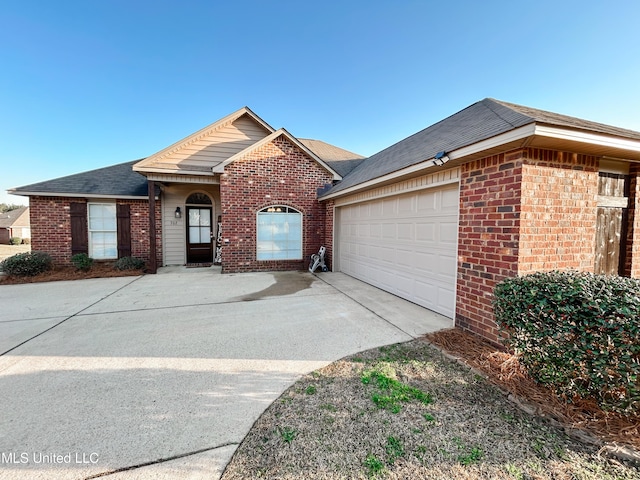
(450,200)
(405,258)
(404,285)
(375,210)
(426,294)
(405,231)
(389,231)
(364,230)
(425,232)
(405,205)
(446,264)
(446,300)
(426,202)
(405,244)
(448,232)
(389,207)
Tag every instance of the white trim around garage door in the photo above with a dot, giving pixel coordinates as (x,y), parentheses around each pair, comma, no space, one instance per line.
(420,265)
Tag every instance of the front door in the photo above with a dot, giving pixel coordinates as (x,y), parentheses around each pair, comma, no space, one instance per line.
(199,235)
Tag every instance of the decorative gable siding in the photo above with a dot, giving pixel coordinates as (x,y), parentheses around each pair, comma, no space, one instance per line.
(209,150)
(278,173)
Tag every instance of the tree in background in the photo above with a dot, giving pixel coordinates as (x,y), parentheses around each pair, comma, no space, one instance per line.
(7,207)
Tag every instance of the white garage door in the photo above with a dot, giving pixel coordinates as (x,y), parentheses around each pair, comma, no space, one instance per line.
(404,244)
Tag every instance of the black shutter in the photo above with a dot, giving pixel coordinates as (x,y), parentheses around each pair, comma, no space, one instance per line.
(79,235)
(124,230)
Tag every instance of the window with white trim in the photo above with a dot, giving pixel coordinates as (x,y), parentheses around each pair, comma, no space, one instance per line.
(279,234)
(103,235)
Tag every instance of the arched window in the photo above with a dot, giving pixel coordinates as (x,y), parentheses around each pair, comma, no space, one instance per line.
(279,233)
(199,199)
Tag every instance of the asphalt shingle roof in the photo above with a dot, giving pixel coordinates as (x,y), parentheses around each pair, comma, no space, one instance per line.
(116,180)
(341,160)
(7,219)
(480,121)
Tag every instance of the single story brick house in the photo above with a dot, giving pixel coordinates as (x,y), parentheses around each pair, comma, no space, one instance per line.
(15,223)
(492,191)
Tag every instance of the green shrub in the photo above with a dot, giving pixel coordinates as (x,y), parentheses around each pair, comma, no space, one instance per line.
(15,241)
(576,333)
(82,261)
(129,263)
(27,264)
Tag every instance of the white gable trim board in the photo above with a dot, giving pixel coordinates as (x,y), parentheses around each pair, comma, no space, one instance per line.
(403,238)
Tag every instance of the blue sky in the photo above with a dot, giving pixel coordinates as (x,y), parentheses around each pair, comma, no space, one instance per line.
(90,83)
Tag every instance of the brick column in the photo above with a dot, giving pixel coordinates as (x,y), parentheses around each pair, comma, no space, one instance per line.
(488,237)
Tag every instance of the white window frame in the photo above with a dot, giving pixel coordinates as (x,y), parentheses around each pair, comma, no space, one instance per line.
(268,255)
(91,231)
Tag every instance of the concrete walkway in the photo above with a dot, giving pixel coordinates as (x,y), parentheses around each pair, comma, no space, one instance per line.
(162,376)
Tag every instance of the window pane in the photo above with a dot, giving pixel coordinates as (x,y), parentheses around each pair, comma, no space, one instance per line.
(205,234)
(279,234)
(205,218)
(104,245)
(194,235)
(194,217)
(103,242)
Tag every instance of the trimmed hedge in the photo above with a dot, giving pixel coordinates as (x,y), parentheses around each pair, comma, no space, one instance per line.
(577,333)
(82,262)
(129,263)
(27,264)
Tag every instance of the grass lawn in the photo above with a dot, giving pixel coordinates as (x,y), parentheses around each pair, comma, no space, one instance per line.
(406,412)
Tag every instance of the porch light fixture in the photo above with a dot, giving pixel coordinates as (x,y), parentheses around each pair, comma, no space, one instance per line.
(441,158)
(178,212)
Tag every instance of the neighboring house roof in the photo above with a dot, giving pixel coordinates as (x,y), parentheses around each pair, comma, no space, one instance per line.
(341,160)
(479,122)
(15,218)
(116,181)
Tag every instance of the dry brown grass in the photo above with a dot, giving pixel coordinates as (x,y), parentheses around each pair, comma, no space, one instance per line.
(504,369)
(326,426)
(7,251)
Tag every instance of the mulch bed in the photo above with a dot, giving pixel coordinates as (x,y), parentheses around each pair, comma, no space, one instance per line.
(98,270)
(503,369)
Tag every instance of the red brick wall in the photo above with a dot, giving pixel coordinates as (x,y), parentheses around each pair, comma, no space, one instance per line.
(328,228)
(51,227)
(487,237)
(632,257)
(520,212)
(139,214)
(558,213)
(278,173)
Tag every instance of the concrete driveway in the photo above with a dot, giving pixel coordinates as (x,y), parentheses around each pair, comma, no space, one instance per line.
(162,376)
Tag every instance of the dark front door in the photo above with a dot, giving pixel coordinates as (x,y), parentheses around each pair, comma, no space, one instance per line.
(199,235)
